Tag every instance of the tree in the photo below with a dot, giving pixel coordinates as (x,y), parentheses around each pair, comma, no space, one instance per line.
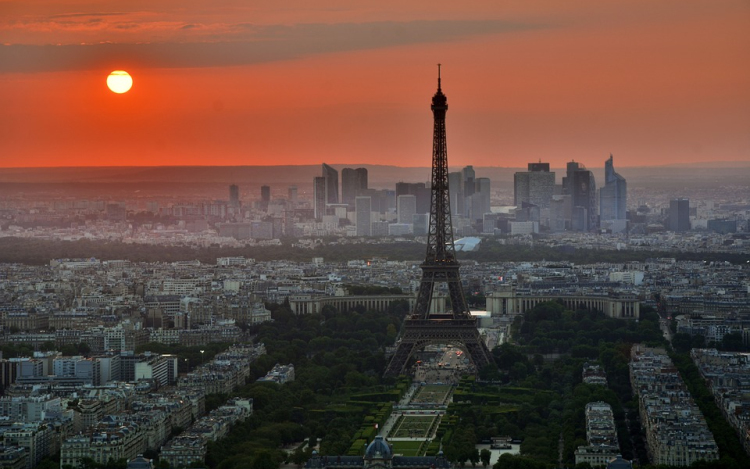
(507,461)
(485,456)
(299,457)
(474,457)
(264,459)
(47,347)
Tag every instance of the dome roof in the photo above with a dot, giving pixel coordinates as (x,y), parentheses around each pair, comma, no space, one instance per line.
(140,462)
(379,448)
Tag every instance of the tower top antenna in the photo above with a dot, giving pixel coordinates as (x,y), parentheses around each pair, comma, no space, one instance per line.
(439,76)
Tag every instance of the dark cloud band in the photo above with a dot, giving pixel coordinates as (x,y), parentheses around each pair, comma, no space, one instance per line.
(260,44)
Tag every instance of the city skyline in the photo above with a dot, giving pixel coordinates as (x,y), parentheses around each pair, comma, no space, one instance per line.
(239,84)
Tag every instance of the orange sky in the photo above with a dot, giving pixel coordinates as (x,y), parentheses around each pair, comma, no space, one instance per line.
(241,82)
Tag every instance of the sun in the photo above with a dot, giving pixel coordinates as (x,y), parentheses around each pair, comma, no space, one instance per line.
(119,81)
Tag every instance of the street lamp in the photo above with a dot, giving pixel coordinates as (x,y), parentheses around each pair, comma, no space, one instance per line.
(202,351)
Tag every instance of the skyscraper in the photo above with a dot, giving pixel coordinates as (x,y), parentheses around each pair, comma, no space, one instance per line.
(679,215)
(319,197)
(407,208)
(293,195)
(469,175)
(456,188)
(417,189)
(567,180)
(363,213)
(580,184)
(353,182)
(613,196)
(534,186)
(234,196)
(483,186)
(468,181)
(331,177)
(265,197)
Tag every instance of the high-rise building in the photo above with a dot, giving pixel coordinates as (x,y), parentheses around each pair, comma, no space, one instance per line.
(331,177)
(539,167)
(535,186)
(383,200)
(379,228)
(468,181)
(580,184)
(456,192)
(319,197)
(421,223)
(234,196)
(613,196)
(406,208)
(293,195)
(353,182)
(468,176)
(679,215)
(363,212)
(417,189)
(560,213)
(567,180)
(265,197)
(483,186)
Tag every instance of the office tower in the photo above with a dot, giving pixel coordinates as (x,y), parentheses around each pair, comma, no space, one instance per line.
(567,180)
(265,197)
(534,186)
(560,213)
(722,226)
(468,175)
(379,228)
(331,177)
(456,190)
(363,212)
(528,212)
(319,197)
(353,182)
(417,189)
(613,196)
(293,195)
(406,208)
(679,215)
(468,182)
(538,167)
(579,183)
(483,190)
(234,196)
(400,229)
(421,223)
(580,219)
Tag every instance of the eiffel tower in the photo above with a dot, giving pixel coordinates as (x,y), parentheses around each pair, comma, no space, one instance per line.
(422,328)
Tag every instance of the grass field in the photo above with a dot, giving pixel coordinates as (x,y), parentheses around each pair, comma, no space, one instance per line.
(432,393)
(414,426)
(407,448)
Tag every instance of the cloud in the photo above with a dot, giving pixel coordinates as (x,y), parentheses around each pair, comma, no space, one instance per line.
(84,15)
(252,44)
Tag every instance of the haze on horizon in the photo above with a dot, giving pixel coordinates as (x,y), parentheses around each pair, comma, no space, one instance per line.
(240,82)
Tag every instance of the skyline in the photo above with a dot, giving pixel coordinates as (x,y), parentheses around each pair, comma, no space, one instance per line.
(298,84)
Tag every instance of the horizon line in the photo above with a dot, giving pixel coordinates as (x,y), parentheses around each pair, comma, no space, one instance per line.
(724,163)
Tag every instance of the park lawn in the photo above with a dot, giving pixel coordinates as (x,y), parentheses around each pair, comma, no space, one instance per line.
(415,426)
(407,448)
